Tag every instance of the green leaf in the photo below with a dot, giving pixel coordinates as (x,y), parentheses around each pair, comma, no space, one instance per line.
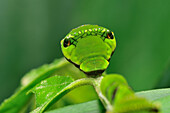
(94,106)
(50,90)
(19,100)
(165,104)
(159,95)
(17,103)
(154,94)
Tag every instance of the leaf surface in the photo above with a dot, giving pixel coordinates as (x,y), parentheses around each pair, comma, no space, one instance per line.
(162,96)
(94,106)
(52,89)
(154,94)
(18,102)
(159,95)
(49,90)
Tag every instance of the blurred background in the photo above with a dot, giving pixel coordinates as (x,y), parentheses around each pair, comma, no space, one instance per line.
(31,30)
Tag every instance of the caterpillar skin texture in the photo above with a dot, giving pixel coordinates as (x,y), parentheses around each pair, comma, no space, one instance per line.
(89,47)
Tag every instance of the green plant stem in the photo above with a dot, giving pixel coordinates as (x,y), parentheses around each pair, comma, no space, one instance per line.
(103,99)
(95,82)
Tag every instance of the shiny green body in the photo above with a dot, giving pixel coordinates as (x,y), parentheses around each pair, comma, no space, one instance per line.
(90,48)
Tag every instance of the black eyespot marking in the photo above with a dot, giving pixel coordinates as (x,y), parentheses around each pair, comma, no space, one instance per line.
(66,42)
(110,35)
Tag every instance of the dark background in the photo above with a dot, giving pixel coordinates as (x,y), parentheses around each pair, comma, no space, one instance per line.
(31,30)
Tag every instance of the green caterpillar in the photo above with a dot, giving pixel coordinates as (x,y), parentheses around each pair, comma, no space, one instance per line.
(89,48)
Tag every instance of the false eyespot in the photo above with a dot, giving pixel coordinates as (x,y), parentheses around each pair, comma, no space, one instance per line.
(110,35)
(66,42)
